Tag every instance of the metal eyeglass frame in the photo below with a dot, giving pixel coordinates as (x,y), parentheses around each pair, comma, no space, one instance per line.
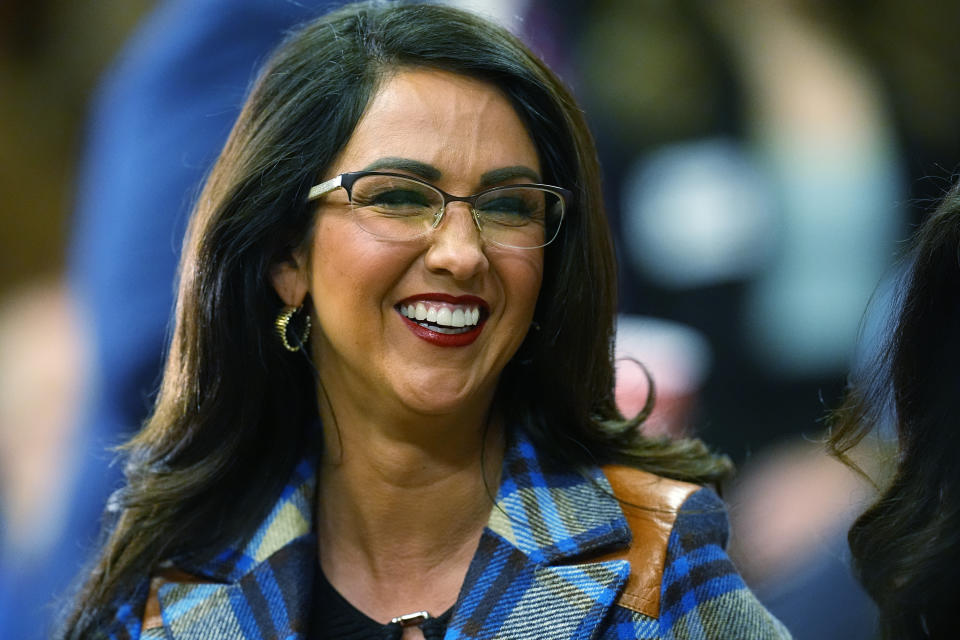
(346,180)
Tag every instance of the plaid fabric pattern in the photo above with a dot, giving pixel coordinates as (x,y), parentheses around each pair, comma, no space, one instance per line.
(702,596)
(532,576)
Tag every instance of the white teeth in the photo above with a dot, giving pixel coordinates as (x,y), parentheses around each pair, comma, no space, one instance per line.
(442,316)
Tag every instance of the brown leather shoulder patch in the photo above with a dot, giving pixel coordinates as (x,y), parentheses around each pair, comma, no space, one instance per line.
(151,612)
(650,504)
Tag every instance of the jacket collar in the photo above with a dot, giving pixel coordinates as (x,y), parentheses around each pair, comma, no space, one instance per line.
(543,524)
(533,560)
(553,516)
(290,520)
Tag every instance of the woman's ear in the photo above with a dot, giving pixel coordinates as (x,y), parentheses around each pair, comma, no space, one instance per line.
(289,278)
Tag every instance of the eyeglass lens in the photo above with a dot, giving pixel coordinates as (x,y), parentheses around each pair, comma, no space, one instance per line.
(402,209)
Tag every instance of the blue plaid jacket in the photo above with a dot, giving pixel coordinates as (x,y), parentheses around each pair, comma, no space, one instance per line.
(535,574)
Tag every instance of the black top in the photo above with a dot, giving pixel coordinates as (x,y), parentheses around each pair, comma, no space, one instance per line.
(336,619)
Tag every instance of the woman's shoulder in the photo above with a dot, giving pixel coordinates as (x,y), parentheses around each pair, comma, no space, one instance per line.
(642,489)
(673,510)
(691,511)
(693,590)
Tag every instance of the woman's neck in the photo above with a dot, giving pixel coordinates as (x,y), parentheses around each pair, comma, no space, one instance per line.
(400,512)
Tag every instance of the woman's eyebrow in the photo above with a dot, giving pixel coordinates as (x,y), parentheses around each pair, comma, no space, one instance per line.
(425,171)
(430,172)
(498,176)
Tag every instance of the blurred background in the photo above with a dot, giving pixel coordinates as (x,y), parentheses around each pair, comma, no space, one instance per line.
(764,160)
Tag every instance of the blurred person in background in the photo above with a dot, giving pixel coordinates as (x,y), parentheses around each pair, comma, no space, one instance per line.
(50,55)
(43,357)
(906,545)
(754,177)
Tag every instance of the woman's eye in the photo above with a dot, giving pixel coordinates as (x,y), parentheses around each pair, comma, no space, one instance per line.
(506,206)
(394,201)
(399,198)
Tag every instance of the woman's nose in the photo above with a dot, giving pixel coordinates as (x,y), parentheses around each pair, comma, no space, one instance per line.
(456,246)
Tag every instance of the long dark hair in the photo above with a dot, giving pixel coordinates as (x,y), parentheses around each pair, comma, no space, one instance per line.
(906,546)
(233,405)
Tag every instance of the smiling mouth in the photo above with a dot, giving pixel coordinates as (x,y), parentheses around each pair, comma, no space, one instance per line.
(448,319)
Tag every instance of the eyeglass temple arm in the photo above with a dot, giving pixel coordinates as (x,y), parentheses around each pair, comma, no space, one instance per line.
(324,188)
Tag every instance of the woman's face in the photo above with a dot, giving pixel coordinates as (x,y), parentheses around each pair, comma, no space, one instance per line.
(462,135)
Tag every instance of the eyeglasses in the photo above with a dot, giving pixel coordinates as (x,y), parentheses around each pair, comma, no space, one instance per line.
(397,207)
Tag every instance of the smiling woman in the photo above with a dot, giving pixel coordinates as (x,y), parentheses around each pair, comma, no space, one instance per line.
(390,388)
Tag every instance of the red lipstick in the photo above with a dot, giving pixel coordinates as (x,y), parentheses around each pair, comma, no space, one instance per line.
(445,339)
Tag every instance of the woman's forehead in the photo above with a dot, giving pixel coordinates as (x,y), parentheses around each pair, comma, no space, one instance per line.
(456,123)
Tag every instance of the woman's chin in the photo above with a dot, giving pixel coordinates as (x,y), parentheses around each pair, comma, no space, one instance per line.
(455,402)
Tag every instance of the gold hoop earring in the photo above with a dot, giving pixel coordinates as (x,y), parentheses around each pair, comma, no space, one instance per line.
(282,323)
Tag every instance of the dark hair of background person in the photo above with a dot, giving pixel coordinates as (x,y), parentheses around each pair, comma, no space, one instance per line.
(230,418)
(906,546)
